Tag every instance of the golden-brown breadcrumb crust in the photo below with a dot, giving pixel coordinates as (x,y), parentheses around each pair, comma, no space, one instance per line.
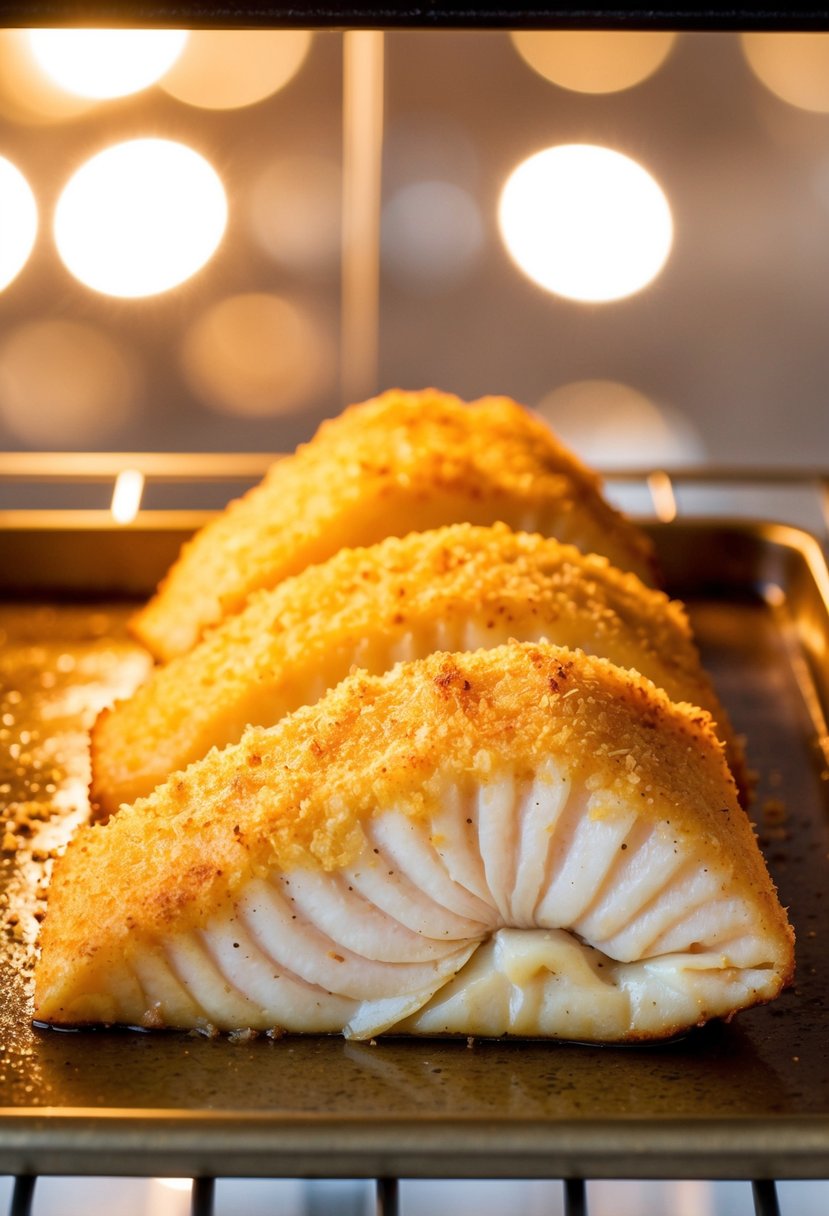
(297,793)
(398,462)
(286,636)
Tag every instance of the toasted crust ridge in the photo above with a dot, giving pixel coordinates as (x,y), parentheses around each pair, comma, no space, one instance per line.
(362,606)
(301,793)
(400,460)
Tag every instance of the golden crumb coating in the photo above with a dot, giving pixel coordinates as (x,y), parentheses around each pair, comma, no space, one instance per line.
(400,462)
(300,794)
(456,588)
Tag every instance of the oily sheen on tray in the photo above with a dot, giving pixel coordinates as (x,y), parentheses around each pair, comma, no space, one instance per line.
(523,840)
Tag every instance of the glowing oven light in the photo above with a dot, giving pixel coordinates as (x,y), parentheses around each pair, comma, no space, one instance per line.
(65,383)
(140,217)
(126,495)
(226,69)
(594,61)
(105,63)
(794,66)
(585,222)
(18,221)
(255,355)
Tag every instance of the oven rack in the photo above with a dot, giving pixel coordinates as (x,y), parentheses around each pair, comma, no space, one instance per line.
(387,1197)
(89,481)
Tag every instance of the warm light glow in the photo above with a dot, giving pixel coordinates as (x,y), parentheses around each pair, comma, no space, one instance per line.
(257,355)
(662,496)
(126,495)
(176,1184)
(18,221)
(594,61)
(105,63)
(64,384)
(614,426)
(295,211)
(26,93)
(794,66)
(226,69)
(140,217)
(774,595)
(585,222)
(432,234)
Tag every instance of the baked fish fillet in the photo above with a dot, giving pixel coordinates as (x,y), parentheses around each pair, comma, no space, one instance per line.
(524,840)
(401,462)
(457,588)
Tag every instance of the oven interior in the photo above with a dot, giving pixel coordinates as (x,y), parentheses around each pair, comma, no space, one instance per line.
(621,224)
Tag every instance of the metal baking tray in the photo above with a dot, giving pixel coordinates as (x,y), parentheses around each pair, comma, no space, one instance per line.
(747,1099)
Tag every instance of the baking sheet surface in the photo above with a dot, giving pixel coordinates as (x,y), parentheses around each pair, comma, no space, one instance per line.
(59,664)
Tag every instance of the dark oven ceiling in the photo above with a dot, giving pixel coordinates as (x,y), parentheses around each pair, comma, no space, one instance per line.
(397,15)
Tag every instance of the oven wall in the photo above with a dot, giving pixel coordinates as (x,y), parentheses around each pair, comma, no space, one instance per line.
(722,357)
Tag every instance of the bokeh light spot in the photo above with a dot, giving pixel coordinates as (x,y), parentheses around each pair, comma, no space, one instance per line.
(795,67)
(226,69)
(105,63)
(594,61)
(614,426)
(295,212)
(140,217)
(64,384)
(126,496)
(433,233)
(18,221)
(585,222)
(27,94)
(256,355)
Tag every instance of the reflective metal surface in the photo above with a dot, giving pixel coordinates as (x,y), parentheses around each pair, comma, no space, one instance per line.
(746,1099)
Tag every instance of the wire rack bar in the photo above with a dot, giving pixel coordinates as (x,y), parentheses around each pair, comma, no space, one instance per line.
(63,466)
(202,1197)
(104,466)
(805,490)
(575,1197)
(765,1197)
(387,1192)
(662,485)
(23,1195)
(388,1197)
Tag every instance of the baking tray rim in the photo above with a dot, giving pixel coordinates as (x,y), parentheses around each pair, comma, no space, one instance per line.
(254,1144)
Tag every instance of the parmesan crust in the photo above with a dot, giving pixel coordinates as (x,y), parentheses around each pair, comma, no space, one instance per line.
(401,461)
(302,794)
(455,588)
